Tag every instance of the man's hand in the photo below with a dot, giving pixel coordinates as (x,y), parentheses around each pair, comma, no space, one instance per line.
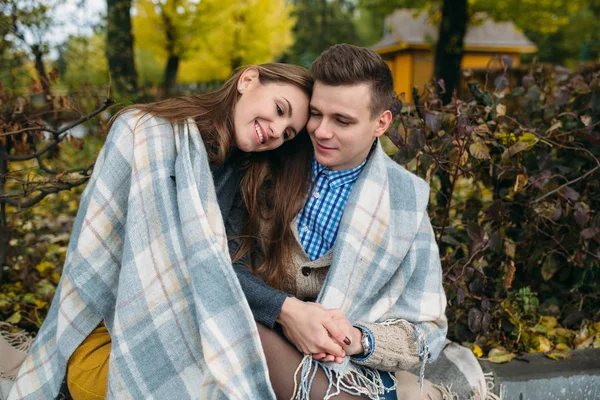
(313,329)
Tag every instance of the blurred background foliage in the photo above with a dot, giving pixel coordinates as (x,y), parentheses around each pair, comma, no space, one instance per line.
(512,160)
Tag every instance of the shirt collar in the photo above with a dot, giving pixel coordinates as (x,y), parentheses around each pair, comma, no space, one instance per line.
(337,178)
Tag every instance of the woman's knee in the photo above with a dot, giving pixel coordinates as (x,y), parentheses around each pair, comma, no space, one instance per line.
(87,369)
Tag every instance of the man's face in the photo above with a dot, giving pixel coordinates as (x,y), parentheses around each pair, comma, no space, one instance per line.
(341,127)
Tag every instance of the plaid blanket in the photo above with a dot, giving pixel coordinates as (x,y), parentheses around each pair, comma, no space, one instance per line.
(385,269)
(148,255)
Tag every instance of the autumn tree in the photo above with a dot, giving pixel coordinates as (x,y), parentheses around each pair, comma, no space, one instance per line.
(319,25)
(119,48)
(82,61)
(25,25)
(204,41)
(450,45)
(576,40)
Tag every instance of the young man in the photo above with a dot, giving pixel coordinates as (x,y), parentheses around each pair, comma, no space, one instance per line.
(366,249)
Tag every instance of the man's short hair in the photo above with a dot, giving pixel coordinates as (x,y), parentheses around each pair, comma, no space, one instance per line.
(345,64)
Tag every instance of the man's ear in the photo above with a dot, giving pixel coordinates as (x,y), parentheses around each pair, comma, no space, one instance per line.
(248,78)
(382,123)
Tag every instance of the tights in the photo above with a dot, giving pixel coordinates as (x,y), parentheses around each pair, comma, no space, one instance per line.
(282,360)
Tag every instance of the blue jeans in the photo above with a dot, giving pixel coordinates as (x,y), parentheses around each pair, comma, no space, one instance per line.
(388,383)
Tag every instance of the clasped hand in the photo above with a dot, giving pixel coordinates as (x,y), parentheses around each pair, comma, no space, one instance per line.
(325,333)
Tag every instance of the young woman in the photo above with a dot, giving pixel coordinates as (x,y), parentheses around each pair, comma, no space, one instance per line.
(148,277)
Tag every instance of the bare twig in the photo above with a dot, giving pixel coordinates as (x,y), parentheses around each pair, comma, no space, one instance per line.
(48,170)
(106,104)
(43,193)
(566,184)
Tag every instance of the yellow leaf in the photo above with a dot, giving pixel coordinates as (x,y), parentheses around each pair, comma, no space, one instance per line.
(558,355)
(41,304)
(562,347)
(55,277)
(500,355)
(596,344)
(529,139)
(548,322)
(44,266)
(564,332)
(15,318)
(477,351)
(544,345)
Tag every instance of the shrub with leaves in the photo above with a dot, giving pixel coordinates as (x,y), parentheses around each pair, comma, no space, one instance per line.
(42,158)
(514,171)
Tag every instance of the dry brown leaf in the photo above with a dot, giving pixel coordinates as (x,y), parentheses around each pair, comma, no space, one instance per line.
(501,109)
(510,275)
(520,182)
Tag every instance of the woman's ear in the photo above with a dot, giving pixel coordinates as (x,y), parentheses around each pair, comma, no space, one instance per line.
(248,79)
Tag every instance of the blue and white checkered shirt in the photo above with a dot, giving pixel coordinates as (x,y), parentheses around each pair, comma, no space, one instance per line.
(319,220)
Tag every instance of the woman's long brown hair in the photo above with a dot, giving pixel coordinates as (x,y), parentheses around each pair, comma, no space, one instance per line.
(274,185)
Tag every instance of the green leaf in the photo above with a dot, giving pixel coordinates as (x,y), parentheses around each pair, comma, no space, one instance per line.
(509,247)
(388,146)
(549,267)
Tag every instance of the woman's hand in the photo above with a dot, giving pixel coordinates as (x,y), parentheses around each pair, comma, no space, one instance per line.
(355,346)
(314,329)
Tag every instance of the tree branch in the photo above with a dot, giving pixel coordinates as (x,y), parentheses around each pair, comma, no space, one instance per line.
(43,193)
(106,104)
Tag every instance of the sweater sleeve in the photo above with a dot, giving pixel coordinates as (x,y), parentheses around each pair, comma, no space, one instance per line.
(265,301)
(395,347)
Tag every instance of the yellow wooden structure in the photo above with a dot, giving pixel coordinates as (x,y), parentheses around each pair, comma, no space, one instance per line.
(407,47)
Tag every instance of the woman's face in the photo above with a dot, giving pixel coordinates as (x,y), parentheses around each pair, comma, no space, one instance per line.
(266,115)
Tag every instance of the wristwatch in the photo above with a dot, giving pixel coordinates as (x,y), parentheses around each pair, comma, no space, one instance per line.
(366,341)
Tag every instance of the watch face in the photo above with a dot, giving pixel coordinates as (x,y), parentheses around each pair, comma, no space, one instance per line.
(366,342)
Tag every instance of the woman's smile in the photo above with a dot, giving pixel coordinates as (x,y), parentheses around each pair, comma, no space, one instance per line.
(260,136)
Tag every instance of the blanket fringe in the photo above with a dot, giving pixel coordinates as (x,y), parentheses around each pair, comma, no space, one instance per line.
(489,382)
(447,393)
(359,381)
(20,341)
